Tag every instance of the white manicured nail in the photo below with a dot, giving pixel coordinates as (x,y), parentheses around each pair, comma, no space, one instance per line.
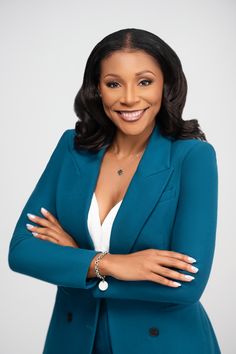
(32,216)
(44,210)
(175,283)
(195,269)
(192,260)
(189,277)
(35,233)
(29,226)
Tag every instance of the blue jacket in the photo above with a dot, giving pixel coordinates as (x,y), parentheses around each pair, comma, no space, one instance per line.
(170,204)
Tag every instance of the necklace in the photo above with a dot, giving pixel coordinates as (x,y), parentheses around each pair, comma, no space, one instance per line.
(120,171)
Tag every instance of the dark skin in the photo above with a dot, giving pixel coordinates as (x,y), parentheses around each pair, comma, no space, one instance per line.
(125,91)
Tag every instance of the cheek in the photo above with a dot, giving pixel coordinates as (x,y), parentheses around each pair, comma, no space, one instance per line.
(107,106)
(108,101)
(155,96)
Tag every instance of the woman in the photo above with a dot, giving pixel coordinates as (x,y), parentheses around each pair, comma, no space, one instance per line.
(125,206)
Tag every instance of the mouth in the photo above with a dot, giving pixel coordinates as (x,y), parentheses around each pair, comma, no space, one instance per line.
(132,116)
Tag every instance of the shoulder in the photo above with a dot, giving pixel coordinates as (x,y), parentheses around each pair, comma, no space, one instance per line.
(68,134)
(66,138)
(185,149)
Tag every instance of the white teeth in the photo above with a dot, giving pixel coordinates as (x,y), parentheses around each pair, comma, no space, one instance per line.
(132,116)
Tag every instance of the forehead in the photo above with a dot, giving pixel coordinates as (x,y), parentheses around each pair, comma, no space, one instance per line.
(122,62)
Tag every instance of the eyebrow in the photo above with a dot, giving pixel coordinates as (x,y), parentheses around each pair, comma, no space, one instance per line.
(139,73)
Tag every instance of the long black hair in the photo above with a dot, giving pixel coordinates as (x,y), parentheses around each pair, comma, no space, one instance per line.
(94,129)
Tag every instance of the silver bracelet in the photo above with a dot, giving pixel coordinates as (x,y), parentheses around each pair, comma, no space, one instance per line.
(103,284)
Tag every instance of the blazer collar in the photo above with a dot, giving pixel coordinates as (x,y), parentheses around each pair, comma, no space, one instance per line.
(156,156)
(144,190)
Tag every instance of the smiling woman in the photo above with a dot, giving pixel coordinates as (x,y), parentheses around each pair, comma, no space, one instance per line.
(137,95)
(131,70)
(129,195)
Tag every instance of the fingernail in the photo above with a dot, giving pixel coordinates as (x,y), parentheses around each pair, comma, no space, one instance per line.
(29,226)
(195,269)
(44,210)
(192,260)
(34,233)
(189,277)
(31,215)
(175,283)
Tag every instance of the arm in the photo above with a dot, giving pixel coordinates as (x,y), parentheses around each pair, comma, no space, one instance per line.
(44,260)
(193,233)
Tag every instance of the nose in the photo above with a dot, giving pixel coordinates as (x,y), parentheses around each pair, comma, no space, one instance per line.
(129,96)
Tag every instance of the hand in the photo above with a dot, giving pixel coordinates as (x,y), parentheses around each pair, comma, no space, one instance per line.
(51,230)
(150,264)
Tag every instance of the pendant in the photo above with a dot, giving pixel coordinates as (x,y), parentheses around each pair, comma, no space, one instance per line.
(120,172)
(103,285)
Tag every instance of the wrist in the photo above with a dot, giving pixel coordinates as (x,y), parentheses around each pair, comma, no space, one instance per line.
(105,264)
(110,263)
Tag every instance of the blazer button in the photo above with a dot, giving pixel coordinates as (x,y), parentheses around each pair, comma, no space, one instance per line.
(153,331)
(69,316)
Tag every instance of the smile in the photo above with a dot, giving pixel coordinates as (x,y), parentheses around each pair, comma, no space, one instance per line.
(130,116)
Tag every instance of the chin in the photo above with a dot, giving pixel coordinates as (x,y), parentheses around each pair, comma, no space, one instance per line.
(134,128)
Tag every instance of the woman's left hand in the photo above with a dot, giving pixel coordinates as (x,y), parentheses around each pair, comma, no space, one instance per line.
(50,229)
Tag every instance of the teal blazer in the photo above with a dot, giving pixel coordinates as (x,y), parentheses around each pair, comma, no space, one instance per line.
(170,204)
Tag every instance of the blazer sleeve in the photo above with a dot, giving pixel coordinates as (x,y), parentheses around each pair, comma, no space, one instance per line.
(193,233)
(41,259)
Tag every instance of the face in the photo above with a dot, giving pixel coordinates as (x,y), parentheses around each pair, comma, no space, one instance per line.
(131,86)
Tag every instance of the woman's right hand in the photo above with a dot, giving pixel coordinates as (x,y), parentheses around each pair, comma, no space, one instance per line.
(150,264)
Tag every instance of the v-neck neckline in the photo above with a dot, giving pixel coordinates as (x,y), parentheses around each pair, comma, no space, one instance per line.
(96,201)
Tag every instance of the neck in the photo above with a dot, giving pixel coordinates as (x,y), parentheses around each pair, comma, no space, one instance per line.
(125,145)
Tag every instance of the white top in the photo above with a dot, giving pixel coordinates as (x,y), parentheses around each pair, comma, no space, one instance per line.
(100,234)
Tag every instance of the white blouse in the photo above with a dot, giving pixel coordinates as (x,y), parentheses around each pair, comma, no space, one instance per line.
(100,233)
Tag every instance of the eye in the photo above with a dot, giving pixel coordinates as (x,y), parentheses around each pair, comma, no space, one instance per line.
(110,83)
(113,84)
(147,81)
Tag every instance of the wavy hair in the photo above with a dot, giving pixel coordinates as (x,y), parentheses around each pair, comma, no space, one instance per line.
(94,129)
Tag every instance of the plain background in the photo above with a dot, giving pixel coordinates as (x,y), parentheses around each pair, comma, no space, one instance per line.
(44,48)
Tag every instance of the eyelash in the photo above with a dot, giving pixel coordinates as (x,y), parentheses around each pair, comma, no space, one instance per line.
(112,82)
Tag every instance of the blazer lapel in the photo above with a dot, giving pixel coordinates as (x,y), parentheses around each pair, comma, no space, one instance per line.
(143,193)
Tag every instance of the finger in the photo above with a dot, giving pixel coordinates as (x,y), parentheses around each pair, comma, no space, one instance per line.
(176,255)
(50,216)
(166,272)
(42,221)
(161,280)
(44,237)
(45,231)
(171,262)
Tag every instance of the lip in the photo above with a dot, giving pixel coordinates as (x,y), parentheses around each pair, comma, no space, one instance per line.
(134,118)
(135,110)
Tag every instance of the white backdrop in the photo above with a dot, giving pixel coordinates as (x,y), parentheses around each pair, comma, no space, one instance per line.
(44,48)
